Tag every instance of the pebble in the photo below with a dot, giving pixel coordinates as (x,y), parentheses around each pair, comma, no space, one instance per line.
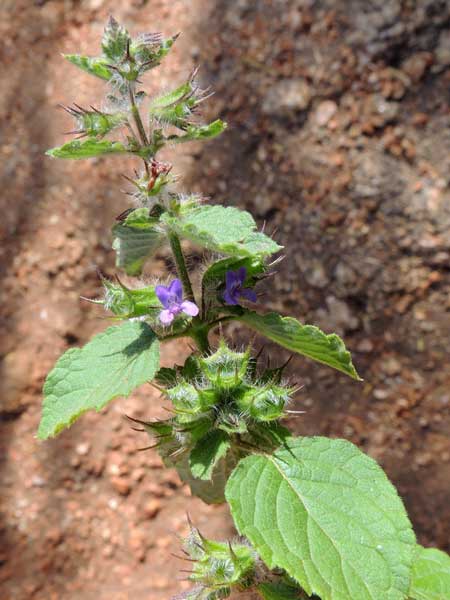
(83,448)
(287,97)
(324,112)
(122,485)
(391,366)
(151,508)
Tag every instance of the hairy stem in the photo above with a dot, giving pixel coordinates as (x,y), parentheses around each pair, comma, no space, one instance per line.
(200,337)
(181,266)
(137,115)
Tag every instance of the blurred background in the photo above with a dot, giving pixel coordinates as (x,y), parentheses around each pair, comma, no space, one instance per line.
(338,139)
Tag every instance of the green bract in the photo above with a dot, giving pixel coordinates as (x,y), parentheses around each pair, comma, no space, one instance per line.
(221,410)
(218,568)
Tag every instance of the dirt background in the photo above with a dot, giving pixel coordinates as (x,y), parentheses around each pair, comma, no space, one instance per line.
(339,137)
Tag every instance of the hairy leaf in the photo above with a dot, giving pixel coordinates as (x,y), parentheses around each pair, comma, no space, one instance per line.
(207,452)
(86,149)
(148,52)
(223,229)
(94,66)
(112,364)
(175,107)
(115,41)
(303,339)
(328,515)
(430,575)
(135,240)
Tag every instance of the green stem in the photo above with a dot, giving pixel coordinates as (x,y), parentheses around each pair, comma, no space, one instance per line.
(137,115)
(181,266)
(200,337)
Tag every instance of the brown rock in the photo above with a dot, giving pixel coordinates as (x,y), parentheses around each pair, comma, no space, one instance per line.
(151,508)
(122,485)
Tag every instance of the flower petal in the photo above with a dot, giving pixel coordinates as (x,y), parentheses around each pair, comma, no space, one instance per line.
(241,274)
(231,279)
(249,294)
(230,298)
(189,308)
(176,289)
(163,294)
(166,317)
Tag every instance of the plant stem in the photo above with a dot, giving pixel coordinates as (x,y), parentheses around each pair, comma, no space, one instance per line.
(137,115)
(199,330)
(200,337)
(181,266)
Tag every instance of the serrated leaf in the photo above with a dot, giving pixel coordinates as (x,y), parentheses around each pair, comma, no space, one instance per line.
(280,591)
(115,41)
(328,515)
(307,340)
(94,66)
(135,240)
(207,452)
(430,575)
(112,364)
(86,149)
(234,236)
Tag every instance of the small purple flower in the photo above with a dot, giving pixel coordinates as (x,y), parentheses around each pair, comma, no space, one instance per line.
(234,281)
(171,297)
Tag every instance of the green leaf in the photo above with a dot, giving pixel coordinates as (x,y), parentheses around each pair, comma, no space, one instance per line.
(235,236)
(135,240)
(207,452)
(328,515)
(94,66)
(200,132)
(430,575)
(280,591)
(112,364)
(303,339)
(86,149)
(115,41)
(211,492)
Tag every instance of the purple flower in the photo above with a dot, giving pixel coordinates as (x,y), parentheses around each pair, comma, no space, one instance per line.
(171,297)
(234,281)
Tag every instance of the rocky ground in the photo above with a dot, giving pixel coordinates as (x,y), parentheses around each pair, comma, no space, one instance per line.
(338,139)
